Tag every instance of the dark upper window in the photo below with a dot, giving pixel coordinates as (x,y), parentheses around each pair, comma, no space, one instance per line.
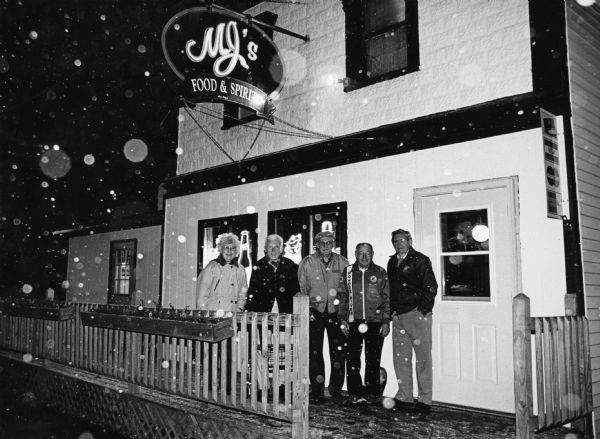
(298,227)
(382,40)
(122,271)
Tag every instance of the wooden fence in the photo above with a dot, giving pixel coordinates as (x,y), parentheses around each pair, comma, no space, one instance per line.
(562,369)
(263,368)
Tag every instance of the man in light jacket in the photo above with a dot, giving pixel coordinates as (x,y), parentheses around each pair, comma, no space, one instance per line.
(320,277)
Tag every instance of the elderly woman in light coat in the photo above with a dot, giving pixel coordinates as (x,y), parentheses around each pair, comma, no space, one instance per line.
(222,285)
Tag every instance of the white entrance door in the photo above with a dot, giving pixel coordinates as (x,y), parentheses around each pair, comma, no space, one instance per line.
(470,233)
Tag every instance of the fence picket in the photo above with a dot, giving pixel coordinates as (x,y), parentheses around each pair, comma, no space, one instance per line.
(223,369)
(234,365)
(276,357)
(589,405)
(243,350)
(152,364)
(181,360)
(205,368)
(264,347)
(574,354)
(188,351)
(214,372)
(198,370)
(541,356)
(253,359)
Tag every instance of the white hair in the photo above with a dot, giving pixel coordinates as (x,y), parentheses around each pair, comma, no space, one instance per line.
(275,237)
(228,238)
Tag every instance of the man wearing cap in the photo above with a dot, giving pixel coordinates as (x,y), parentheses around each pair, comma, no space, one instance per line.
(412,294)
(320,277)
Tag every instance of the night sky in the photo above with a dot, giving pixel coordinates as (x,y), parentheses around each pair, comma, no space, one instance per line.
(79,81)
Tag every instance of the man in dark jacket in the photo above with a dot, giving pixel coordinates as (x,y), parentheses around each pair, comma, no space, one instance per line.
(412,294)
(274,281)
(365,315)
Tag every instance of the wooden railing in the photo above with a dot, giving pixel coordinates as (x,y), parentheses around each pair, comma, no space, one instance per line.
(263,368)
(562,369)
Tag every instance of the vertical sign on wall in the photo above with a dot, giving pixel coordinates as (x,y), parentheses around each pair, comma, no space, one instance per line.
(551,164)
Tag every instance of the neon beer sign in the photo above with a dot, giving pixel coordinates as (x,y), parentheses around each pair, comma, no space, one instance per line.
(220,58)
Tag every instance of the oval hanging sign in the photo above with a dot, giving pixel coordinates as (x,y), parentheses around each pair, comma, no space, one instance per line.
(221,58)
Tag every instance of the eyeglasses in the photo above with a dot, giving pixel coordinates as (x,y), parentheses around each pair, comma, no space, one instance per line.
(401,239)
(325,243)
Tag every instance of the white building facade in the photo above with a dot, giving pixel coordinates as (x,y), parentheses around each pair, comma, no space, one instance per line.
(426,118)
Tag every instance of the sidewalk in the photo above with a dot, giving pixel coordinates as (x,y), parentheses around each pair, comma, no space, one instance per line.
(343,420)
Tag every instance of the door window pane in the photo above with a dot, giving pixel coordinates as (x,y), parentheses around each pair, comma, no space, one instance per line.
(465,258)
(466,275)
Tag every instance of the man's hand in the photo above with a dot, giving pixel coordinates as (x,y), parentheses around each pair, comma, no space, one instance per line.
(384,330)
(344,327)
(312,317)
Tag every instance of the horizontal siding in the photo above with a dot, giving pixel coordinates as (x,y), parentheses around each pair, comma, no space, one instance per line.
(590,245)
(589,167)
(588,188)
(591,211)
(587,131)
(589,179)
(592,291)
(89,257)
(590,222)
(583,43)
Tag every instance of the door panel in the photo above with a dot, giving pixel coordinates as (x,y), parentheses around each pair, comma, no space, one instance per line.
(470,233)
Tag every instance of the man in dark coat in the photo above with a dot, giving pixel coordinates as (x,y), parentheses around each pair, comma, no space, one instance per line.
(412,294)
(274,281)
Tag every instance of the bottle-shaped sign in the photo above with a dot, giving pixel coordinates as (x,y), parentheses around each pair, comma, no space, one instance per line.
(245,258)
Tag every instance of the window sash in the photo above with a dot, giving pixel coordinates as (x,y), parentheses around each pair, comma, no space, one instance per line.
(386,52)
(210,229)
(307,222)
(382,40)
(122,268)
(380,14)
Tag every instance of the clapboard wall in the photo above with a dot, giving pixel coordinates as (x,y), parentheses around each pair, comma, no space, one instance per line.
(583,42)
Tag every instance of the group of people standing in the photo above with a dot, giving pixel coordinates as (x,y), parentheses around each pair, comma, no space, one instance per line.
(355,303)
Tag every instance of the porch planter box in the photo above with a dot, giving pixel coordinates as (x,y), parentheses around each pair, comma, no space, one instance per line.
(40,312)
(202,328)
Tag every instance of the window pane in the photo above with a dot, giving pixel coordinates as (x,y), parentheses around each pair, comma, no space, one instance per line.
(295,234)
(465,231)
(327,222)
(299,226)
(466,276)
(122,269)
(383,13)
(244,226)
(386,52)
